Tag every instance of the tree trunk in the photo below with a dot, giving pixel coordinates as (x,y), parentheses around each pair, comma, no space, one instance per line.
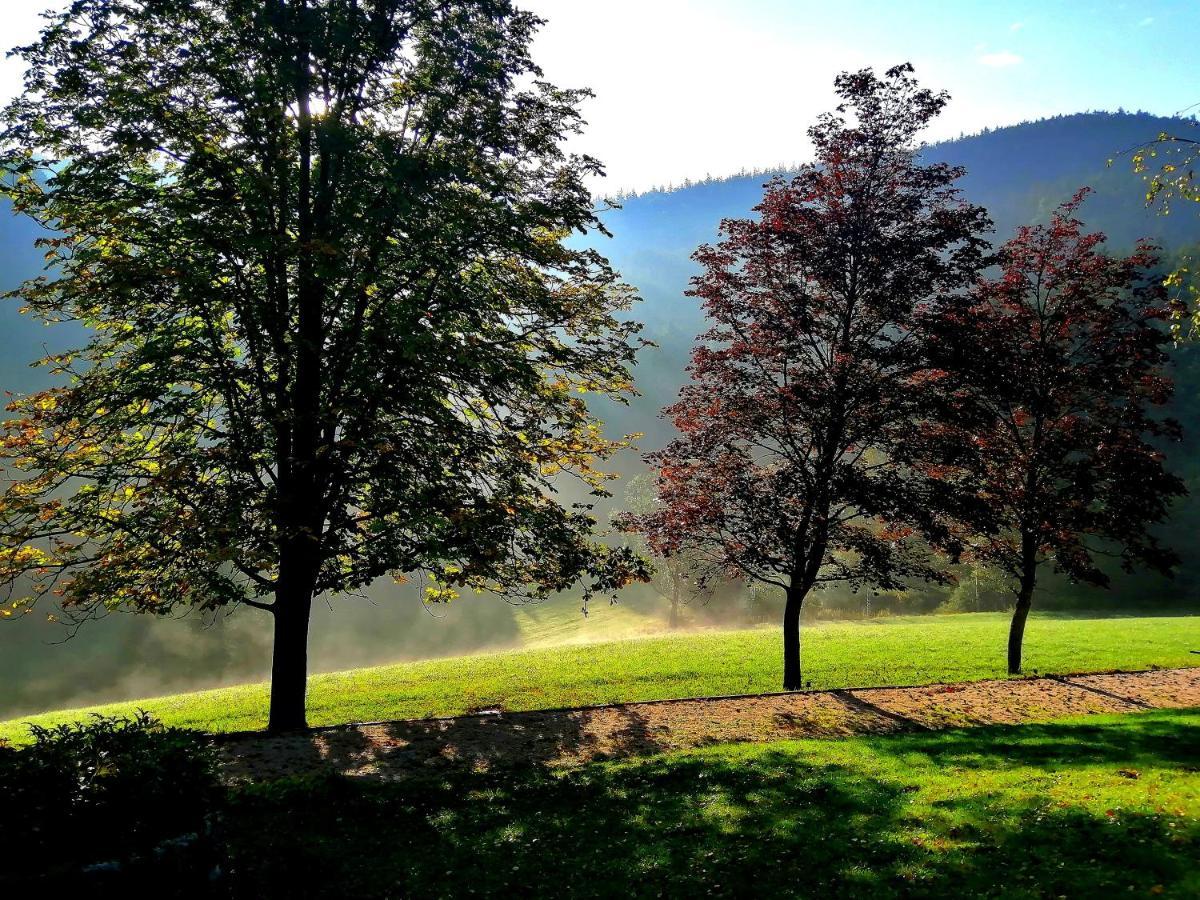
(289,659)
(674,606)
(792,679)
(302,486)
(289,666)
(1016,630)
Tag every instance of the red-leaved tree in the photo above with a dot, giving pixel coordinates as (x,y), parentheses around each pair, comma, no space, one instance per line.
(1058,367)
(798,457)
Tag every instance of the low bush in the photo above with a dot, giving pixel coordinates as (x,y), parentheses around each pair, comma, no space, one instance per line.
(102,799)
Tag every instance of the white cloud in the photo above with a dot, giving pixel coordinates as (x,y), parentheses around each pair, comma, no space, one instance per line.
(1146,22)
(1016,26)
(1000,60)
(684,88)
(688,87)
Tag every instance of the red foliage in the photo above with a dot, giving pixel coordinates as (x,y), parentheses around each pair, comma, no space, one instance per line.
(801,436)
(1059,365)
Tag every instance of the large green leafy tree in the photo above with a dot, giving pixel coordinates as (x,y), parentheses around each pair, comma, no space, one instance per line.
(336,331)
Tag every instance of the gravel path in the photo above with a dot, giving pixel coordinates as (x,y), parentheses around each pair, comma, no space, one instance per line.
(571,737)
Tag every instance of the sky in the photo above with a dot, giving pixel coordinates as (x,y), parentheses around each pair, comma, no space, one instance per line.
(687,88)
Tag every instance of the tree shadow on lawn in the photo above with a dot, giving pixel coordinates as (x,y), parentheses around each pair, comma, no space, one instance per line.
(473,743)
(1156,612)
(930,814)
(1164,737)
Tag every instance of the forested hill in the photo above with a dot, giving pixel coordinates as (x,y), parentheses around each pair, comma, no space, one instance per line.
(1019,173)
(21,337)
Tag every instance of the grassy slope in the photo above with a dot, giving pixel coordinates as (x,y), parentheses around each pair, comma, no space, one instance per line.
(890,651)
(554,623)
(1103,807)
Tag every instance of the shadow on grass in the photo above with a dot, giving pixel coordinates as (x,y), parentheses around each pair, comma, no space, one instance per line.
(1160,738)
(476,743)
(929,814)
(1157,612)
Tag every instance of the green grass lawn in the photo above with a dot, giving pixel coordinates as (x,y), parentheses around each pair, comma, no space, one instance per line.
(1102,807)
(897,651)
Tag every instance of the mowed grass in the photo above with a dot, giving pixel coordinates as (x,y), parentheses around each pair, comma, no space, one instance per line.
(1102,807)
(899,651)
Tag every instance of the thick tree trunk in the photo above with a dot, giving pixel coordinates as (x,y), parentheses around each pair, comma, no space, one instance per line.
(289,660)
(792,676)
(298,567)
(1016,630)
(302,485)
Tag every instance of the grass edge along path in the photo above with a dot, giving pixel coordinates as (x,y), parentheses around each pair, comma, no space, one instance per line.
(572,737)
(897,651)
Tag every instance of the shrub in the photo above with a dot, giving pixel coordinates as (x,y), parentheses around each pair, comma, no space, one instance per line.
(111,795)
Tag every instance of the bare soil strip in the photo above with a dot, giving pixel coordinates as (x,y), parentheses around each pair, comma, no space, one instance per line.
(557,738)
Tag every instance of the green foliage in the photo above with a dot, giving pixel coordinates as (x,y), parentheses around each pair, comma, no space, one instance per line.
(112,789)
(334,329)
(893,650)
(979,589)
(1167,164)
(1086,808)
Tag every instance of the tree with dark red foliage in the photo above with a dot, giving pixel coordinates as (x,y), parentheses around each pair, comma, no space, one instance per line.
(798,457)
(1058,366)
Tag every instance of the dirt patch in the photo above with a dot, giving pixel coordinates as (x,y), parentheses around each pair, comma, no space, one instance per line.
(571,737)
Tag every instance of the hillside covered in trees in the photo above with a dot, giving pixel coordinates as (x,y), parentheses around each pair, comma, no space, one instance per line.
(1020,174)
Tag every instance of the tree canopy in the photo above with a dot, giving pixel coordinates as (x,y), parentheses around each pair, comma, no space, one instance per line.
(1057,371)
(1168,166)
(335,330)
(799,456)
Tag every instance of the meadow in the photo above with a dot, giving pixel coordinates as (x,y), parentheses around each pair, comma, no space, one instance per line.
(887,651)
(1096,807)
